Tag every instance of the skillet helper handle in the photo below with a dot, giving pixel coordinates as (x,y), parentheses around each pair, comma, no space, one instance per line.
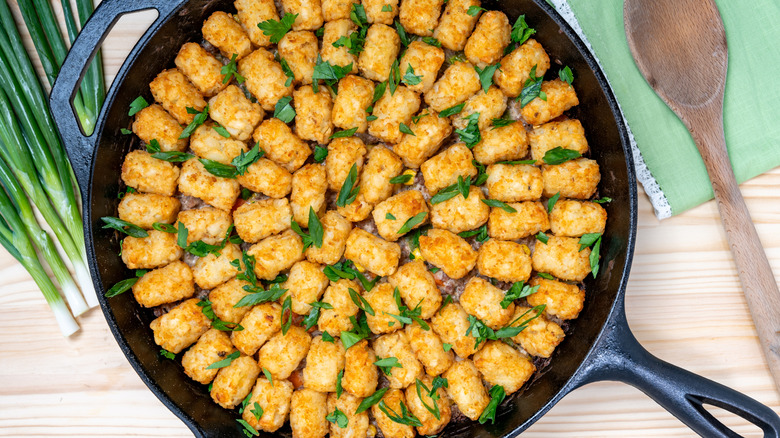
(682,393)
(81,148)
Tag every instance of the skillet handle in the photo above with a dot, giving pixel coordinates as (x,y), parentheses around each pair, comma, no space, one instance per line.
(620,357)
(81,148)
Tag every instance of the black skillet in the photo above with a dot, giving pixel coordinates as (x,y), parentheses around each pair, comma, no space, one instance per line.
(599,345)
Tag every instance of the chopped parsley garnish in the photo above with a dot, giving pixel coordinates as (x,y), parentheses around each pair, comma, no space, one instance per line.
(283,109)
(594,240)
(551,202)
(481,234)
(166,228)
(339,388)
(320,153)
(379,91)
(566,75)
(359,331)
(331,74)
(248,429)
(244,160)
(229,71)
(395,77)
(475,10)
(137,105)
(153,146)
(432,394)
(370,400)
(268,376)
(406,418)
(257,295)
(516,162)
(387,364)
(286,310)
(546,276)
(401,179)
(287,72)
(387,8)
(531,89)
(517,291)
(221,130)
(326,337)
(486,75)
(559,155)
(406,130)
(173,156)
(217,323)
(402,34)
(499,204)
(470,134)
(346,270)
(451,111)
(418,117)
(125,131)
(224,362)
(358,15)
(409,77)
(199,119)
(218,169)
(431,41)
(360,302)
(277,29)
(520,31)
(603,200)
(348,191)
(390,217)
(540,236)
(446,347)
(313,317)
(257,410)
(314,236)
(497,395)
(125,227)
(343,134)
(339,418)
(167,354)
(412,222)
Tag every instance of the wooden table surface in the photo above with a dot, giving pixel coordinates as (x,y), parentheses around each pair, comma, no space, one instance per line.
(684,304)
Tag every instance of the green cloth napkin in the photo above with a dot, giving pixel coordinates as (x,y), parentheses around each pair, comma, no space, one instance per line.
(674,176)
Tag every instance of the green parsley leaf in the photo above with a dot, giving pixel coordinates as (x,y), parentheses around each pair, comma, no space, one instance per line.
(268,376)
(346,133)
(520,31)
(286,310)
(326,337)
(560,155)
(603,200)
(551,202)
(153,146)
(370,400)
(431,41)
(402,34)
(121,287)
(339,418)
(447,347)
(401,179)
(348,192)
(284,110)
(182,233)
(451,111)
(445,194)
(412,222)
(390,217)
(481,234)
(257,411)
(245,193)
(328,73)
(360,302)
(349,339)
(409,77)
(221,130)
(277,29)
(218,169)
(314,236)
(248,429)
(224,362)
(406,130)
(371,118)
(499,204)
(137,105)
(486,75)
(319,32)
(217,323)
(125,131)
(243,403)
(287,72)
(379,91)
(566,75)
(406,418)
(173,156)
(123,227)
(418,117)
(531,88)
(243,161)
(229,70)
(595,240)
(359,331)
(459,57)
(395,77)
(199,119)
(497,395)
(339,389)
(166,228)
(257,295)
(540,236)
(517,291)
(463,186)
(354,42)
(497,123)
(517,162)
(337,272)
(475,10)
(423,389)
(387,8)
(470,135)
(313,317)
(167,354)
(512,330)
(387,364)
(320,153)
(358,15)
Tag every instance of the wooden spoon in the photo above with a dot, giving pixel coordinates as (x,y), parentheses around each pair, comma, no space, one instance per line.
(680,48)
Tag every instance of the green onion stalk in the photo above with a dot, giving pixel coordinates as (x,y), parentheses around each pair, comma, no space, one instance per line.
(14,238)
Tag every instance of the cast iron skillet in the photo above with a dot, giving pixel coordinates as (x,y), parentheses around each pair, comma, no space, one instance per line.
(599,345)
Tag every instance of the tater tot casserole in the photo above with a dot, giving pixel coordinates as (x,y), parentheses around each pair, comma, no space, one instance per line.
(364,219)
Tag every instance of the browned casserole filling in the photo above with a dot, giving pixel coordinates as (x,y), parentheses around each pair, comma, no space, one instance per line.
(369,219)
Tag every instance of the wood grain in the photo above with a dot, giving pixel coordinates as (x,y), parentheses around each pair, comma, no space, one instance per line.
(684,303)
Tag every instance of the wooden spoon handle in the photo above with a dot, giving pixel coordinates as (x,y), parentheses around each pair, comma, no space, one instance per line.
(755,273)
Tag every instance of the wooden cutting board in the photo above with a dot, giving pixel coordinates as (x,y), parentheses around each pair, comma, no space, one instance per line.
(684,304)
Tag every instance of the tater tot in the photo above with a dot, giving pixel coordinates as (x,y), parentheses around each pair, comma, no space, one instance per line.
(259,325)
(375,14)
(575,218)
(429,349)
(336,320)
(429,133)
(491,36)
(196,181)
(541,335)
(283,352)
(530,219)
(420,17)
(337,9)
(514,182)
(504,261)
(173,282)
(224,33)
(568,134)
(451,324)
(145,210)
(381,166)
(505,143)
(459,82)
(154,123)
(212,347)
(323,363)
(393,214)
(343,153)
(334,239)
(443,170)
(281,145)
(299,49)
(562,300)
(253,12)
(460,214)
(417,287)
(201,68)
(309,184)
(561,257)
(456,24)
(390,429)
(208,224)
(516,67)
(308,412)
(234,382)
(226,296)
(265,78)
(176,93)
(375,254)
(417,401)
(257,220)
(305,284)
(213,270)
(157,249)
(180,327)
(333,31)
(349,107)
(382,300)
(149,175)
(207,143)
(466,389)
(239,115)
(266,177)
(276,253)
(448,252)
(502,365)
(483,300)
(577,179)
(360,374)
(309,13)
(490,105)
(357,424)
(274,400)
(392,109)
(397,345)
(425,60)
(379,52)
(560,97)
